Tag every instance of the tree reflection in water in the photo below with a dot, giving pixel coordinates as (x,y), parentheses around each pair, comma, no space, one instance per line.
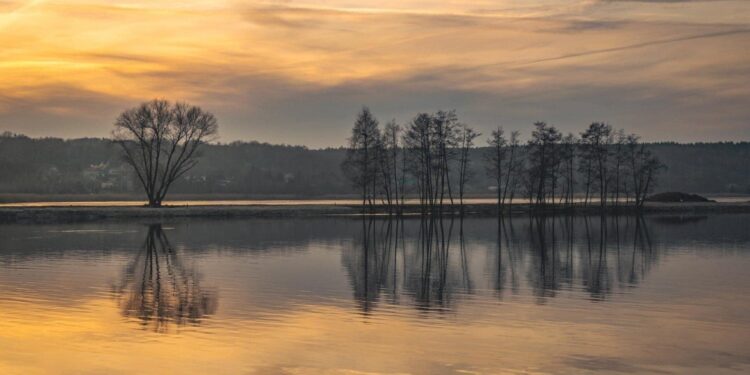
(427,267)
(373,269)
(567,253)
(544,255)
(158,289)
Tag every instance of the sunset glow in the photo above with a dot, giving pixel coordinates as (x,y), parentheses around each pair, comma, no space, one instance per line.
(297,71)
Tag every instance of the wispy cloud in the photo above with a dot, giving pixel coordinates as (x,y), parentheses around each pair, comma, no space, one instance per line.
(294,71)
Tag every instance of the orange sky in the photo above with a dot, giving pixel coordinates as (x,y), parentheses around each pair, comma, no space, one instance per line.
(297,71)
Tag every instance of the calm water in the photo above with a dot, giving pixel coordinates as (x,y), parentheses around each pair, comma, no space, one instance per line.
(342,296)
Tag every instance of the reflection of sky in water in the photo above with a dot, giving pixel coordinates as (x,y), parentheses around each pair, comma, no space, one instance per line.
(309,296)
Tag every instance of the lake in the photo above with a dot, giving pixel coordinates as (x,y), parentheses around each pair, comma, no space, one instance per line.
(346,295)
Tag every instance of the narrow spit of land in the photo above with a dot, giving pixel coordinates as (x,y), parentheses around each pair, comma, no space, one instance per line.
(95,211)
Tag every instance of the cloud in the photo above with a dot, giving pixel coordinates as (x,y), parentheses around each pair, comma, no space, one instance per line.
(297,72)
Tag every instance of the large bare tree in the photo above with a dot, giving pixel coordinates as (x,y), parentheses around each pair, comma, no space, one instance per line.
(160,141)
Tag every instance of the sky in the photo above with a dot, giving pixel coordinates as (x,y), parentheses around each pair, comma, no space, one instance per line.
(297,72)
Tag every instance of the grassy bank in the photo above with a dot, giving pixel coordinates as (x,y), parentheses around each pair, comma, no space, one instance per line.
(79,214)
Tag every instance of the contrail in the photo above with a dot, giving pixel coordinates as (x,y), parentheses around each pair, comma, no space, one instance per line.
(617,49)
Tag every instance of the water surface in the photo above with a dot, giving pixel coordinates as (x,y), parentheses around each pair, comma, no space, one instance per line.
(658,294)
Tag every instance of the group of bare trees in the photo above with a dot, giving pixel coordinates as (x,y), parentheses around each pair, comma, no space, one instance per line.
(430,155)
(429,159)
(430,145)
(503,164)
(372,160)
(616,165)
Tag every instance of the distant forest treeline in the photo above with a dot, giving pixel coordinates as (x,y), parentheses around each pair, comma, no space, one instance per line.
(91,165)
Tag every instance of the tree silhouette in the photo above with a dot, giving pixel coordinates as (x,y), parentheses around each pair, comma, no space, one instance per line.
(644,168)
(495,157)
(160,141)
(543,161)
(361,163)
(466,142)
(596,144)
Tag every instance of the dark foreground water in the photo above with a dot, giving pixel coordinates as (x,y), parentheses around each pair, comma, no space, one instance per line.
(352,296)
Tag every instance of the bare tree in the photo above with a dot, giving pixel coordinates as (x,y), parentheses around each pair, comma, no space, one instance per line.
(496,161)
(586,170)
(618,161)
(420,156)
(360,165)
(467,135)
(390,168)
(430,143)
(445,138)
(596,144)
(160,140)
(543,159)
(644,168)
(567,155)
(382,173)
(515,167)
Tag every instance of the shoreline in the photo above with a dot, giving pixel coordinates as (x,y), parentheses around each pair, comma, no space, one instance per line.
(114,213)
(7,199)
